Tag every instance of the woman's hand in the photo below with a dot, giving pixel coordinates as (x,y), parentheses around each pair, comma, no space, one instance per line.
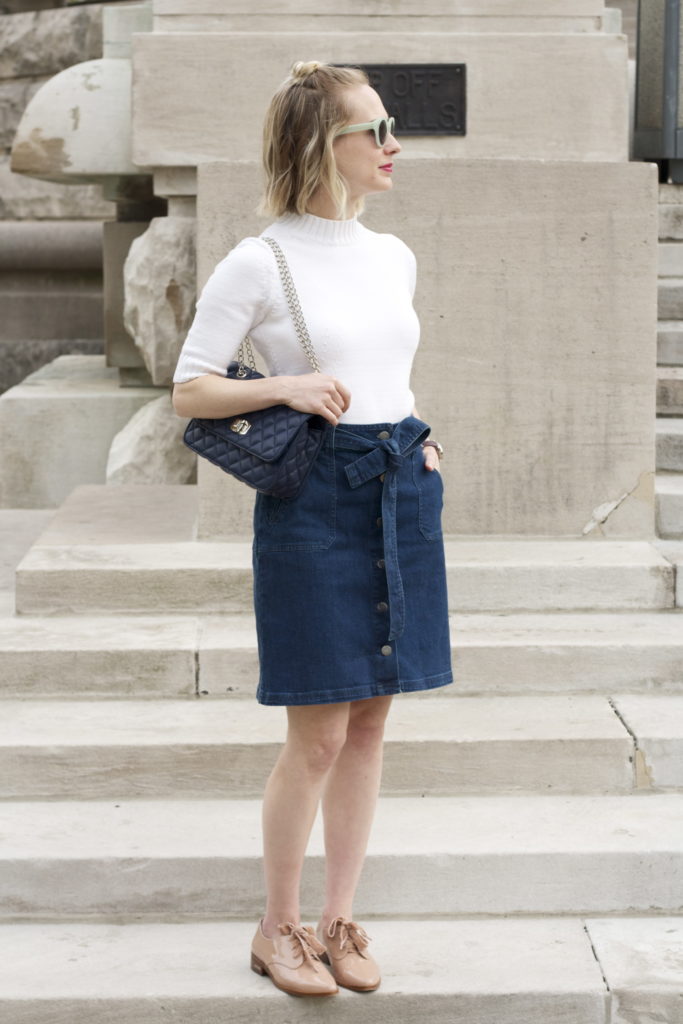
(431,455)
(431,458)
(317,393)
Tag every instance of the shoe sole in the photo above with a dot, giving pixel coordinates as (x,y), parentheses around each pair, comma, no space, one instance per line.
(353,988)
(258,967)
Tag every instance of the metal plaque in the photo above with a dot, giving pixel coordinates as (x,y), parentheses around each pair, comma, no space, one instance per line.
(425,99)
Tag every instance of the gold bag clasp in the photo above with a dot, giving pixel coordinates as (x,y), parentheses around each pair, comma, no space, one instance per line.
(240,426)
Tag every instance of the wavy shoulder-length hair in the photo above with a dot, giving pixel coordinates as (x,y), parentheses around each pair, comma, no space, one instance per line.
(301,122)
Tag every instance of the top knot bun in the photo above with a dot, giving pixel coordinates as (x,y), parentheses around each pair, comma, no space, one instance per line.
(302,70)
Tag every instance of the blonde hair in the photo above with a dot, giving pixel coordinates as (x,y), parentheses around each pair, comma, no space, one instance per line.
(301,122)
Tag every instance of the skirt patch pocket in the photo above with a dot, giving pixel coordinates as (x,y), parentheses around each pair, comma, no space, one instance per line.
(304,523)
(429,484)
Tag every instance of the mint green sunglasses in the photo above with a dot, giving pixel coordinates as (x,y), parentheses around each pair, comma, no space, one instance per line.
(381,126)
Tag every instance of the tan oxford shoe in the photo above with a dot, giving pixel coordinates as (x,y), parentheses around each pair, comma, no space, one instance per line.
(346,952)
(291,959)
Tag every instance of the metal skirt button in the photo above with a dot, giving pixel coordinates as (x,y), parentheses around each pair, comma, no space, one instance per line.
(387,649)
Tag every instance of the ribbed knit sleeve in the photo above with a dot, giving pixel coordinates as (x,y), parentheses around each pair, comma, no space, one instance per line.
(234,300)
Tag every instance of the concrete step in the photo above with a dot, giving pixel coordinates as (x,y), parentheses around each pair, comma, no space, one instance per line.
(101,656)
(19,529)
(670,343)
(495,971)
(216,656)
(670,215)
(669,441)
(669,504)
(498,855)
(670,223)
(656,724)
(670,390)
(483,575)
(640,959)
(672,550)
(104,551)
(444,746)
(670,259)
(670,298)
(43,423)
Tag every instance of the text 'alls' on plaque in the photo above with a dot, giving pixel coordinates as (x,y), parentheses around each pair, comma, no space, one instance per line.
(425,99)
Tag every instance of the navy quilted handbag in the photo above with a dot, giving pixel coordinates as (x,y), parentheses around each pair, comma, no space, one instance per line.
(271,449)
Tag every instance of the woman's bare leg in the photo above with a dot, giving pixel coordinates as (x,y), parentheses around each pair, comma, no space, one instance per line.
(315,735)
(349,802)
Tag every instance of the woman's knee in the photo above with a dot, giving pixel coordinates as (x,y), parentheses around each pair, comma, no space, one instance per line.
(323,752)
(317,738)
(366,723)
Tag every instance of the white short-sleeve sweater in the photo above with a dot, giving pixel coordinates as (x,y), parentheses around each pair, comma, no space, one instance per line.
(355,287)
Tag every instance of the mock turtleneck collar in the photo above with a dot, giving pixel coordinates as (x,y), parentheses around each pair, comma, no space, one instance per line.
(322,229)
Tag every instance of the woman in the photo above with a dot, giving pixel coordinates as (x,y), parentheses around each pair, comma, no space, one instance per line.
(349,577)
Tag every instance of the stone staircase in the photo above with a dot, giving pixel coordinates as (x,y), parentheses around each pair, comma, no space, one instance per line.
(669,429)
(526,863)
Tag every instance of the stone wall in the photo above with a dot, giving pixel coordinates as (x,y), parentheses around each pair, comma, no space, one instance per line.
(536,293)
(537,257)
(526,101)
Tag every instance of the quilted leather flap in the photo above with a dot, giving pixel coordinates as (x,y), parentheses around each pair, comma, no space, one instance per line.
(264,433)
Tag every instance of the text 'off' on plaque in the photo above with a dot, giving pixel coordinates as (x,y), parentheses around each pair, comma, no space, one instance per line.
(425,99)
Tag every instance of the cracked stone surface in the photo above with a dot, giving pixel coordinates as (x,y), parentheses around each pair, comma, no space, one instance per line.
(642,490)
(656,723)
(642,959)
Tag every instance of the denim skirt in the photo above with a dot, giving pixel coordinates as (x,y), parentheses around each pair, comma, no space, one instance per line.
(349,576)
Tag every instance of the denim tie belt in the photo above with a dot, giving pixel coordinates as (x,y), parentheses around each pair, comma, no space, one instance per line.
(385,455)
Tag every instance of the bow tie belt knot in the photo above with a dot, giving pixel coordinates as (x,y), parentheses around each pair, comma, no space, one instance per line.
(385,456)
(395,456)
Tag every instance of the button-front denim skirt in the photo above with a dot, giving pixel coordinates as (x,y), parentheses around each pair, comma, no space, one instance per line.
(350,577)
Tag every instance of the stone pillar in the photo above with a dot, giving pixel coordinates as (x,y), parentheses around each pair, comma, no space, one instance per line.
(76,129)
(50,238)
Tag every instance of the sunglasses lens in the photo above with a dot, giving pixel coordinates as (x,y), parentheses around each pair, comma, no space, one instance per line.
(382,131)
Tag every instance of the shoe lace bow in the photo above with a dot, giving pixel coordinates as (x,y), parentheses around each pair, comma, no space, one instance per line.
(303,941)
(350,933)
